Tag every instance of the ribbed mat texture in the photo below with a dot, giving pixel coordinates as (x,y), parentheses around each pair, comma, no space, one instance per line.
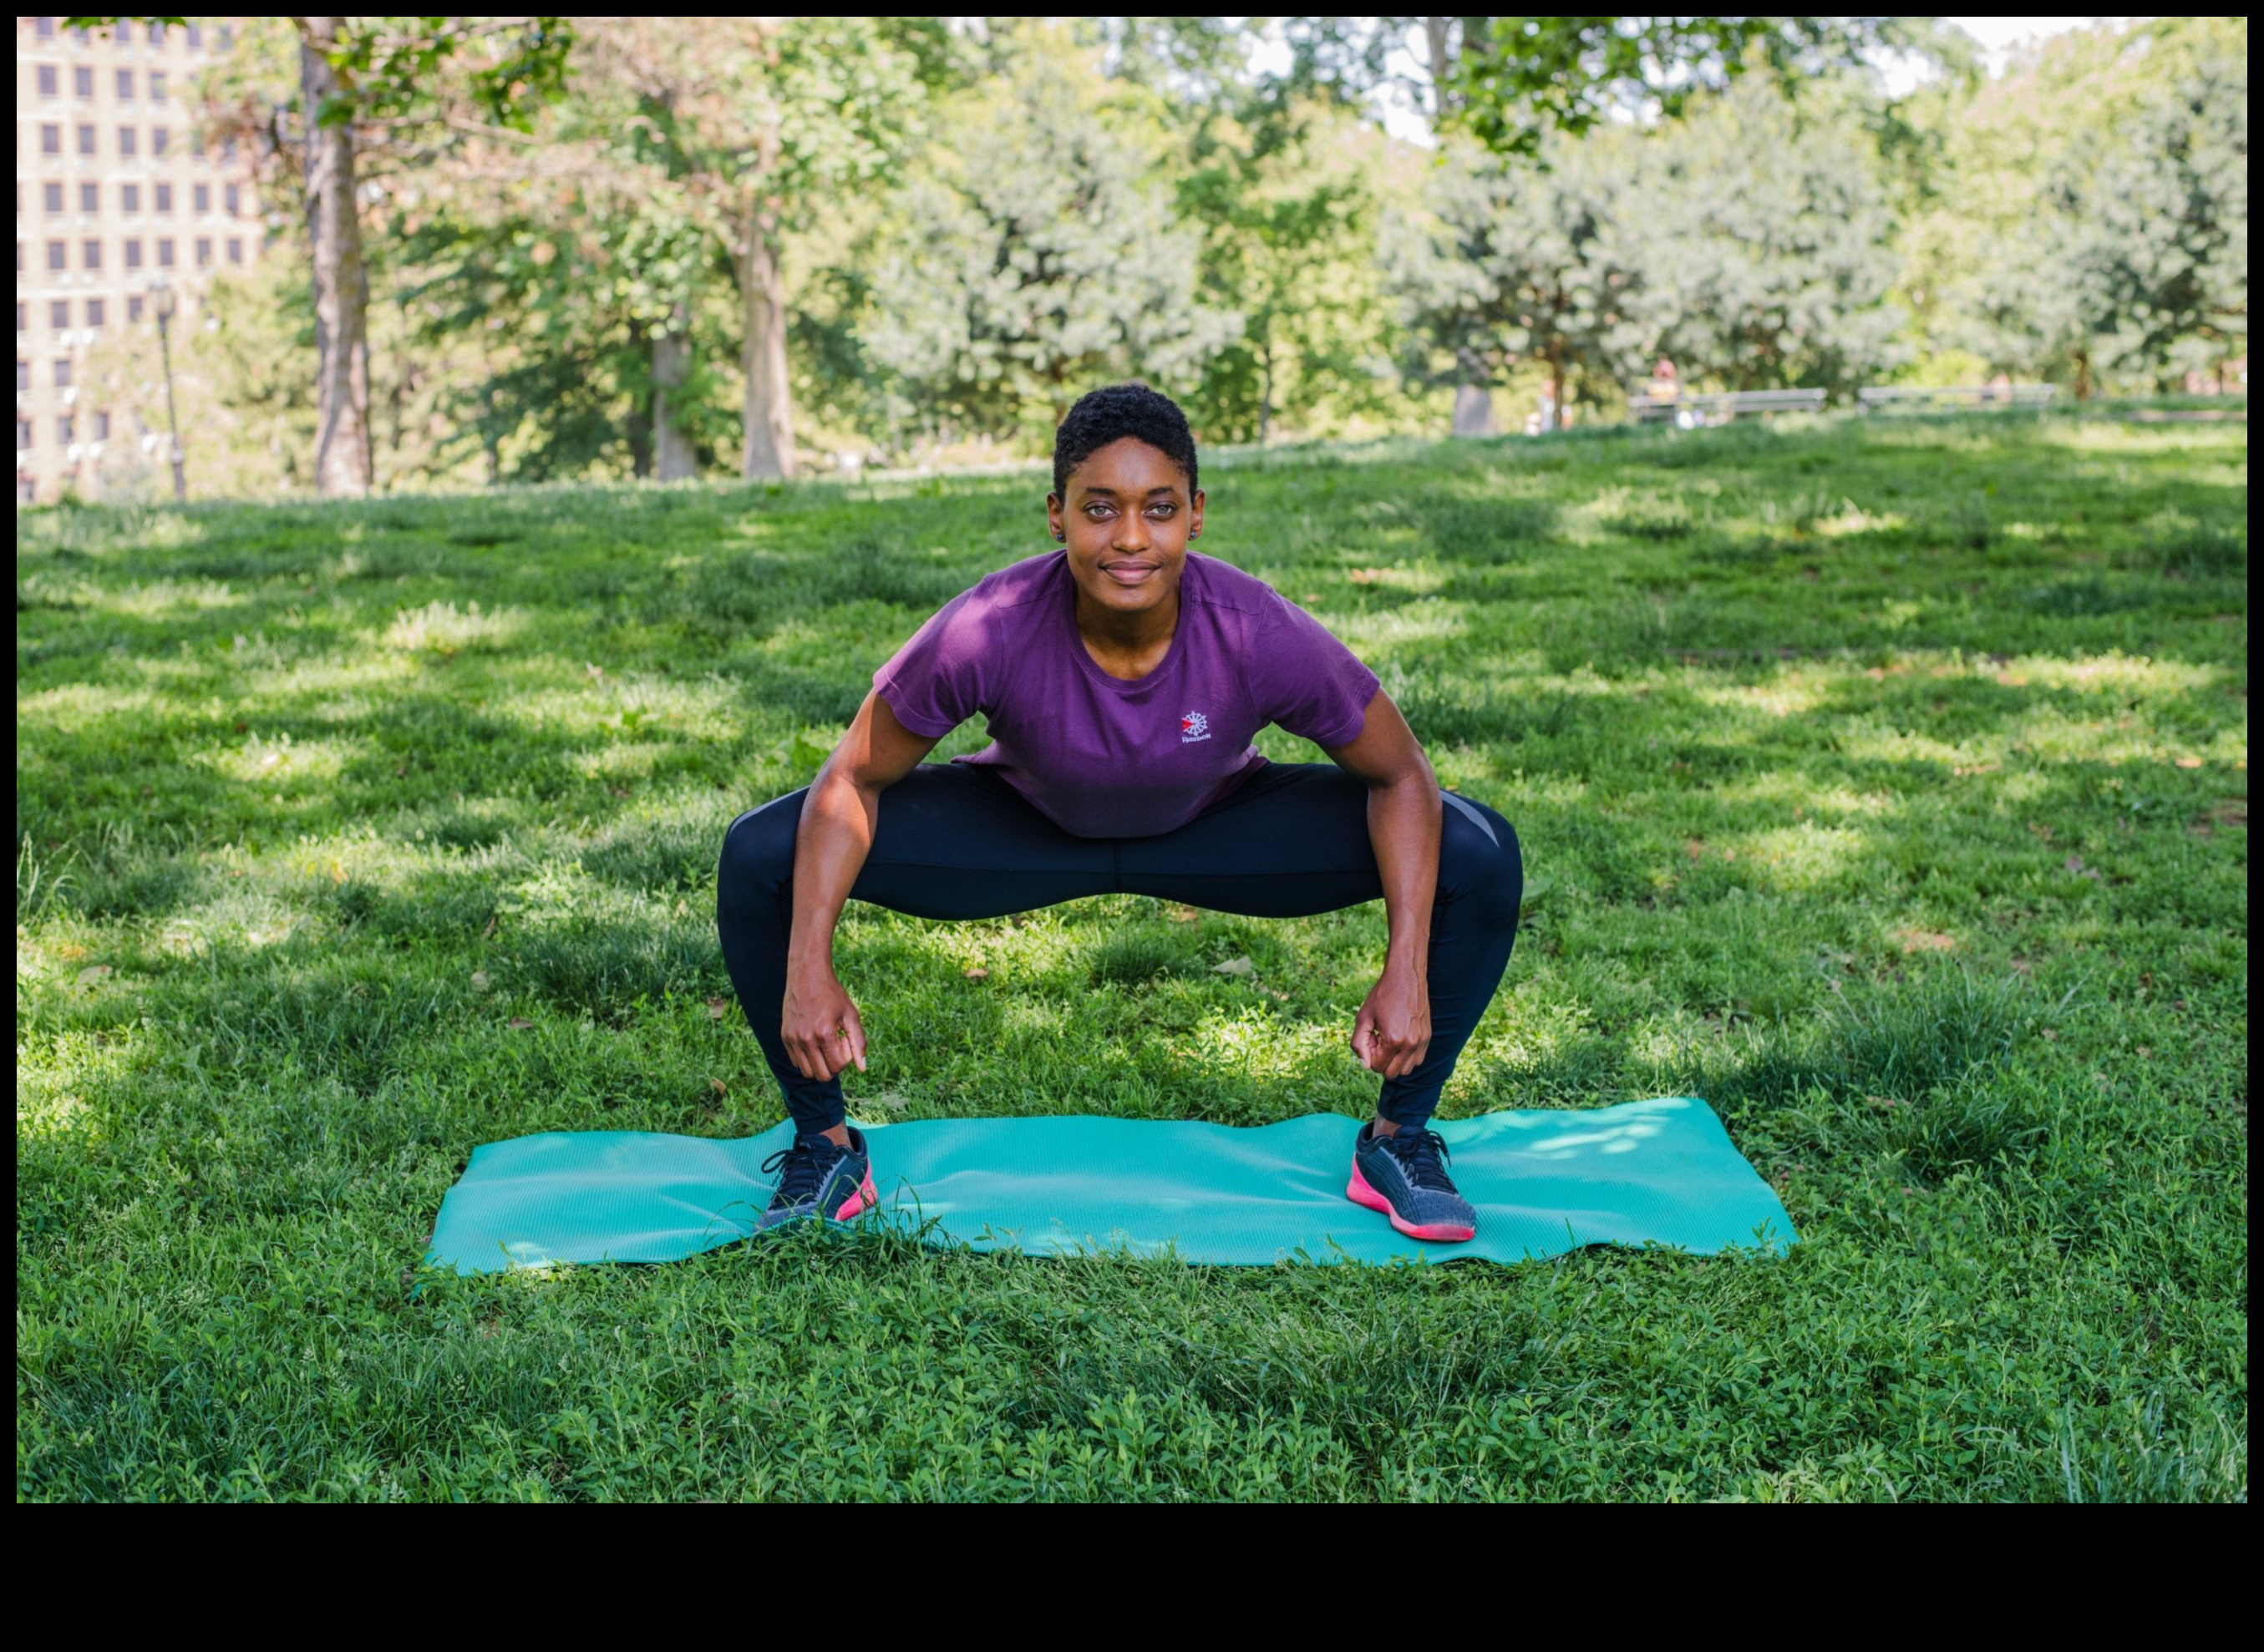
(1544,1182)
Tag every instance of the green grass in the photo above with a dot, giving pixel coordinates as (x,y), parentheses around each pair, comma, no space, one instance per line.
(1884,783)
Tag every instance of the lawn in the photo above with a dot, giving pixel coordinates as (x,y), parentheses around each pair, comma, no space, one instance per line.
(1885,783)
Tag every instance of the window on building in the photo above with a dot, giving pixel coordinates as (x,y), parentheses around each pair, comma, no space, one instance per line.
(90,198)
(231,199)
(129,197)
(59,313)
(196,143)
(62,373)
(23,426)
(51,139)
(22,372)
(126,145)
(89,253)
(86,139)
(196,37)
(51,197)
(200,195)
(164,194)
(157,33)
(50,81)
(132,306)
(161,141)
(125,33)
(164,252)
(101,422)
(228,148)
(66,431)
(43,27)
(156,87)
(98,311)
(235,249)
(227,35)
(126,85)
(204,252)
(82,82)
(22,316)
(132,252)
(59,255)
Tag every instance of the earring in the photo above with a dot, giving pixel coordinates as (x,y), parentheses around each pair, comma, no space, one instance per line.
(1061,538)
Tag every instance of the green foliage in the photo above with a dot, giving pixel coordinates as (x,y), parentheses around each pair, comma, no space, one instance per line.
(352,837)
(1037,256)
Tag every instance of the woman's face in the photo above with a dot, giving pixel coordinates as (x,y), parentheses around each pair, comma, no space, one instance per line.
(1127,522)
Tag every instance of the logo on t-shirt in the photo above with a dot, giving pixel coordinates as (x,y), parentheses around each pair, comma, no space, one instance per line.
(1194,726)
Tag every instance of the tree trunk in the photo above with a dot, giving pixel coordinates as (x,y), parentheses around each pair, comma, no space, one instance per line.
(1555,421)
(1473,410)
(1473,400)
(770,399)
(673,459)
(1265,394)
(344,465)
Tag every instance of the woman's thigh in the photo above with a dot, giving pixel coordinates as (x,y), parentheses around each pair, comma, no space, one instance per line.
(1290,843)
(955,842)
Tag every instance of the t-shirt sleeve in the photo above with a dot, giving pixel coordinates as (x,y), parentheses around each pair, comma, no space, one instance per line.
(1305,679)
(936,681)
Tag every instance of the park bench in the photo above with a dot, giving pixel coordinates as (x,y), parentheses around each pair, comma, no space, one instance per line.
(1687,410)
(1934,395)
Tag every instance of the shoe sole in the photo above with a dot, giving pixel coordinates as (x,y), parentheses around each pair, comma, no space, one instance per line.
(1446,1233)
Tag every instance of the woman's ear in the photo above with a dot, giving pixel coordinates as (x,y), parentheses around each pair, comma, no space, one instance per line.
(1194,514)
(1054,518)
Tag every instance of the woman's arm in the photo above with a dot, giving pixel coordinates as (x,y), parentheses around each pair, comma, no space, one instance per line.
(1393,1029)
(820,1027)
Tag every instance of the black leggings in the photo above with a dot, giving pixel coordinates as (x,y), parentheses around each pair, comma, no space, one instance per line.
(957,842)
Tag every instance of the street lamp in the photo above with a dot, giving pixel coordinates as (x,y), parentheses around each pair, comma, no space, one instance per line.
(164,301)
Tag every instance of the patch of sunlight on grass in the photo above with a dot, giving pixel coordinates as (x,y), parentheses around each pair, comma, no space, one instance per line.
(1251,1041)
(441,628)
(1878,743)
(1428,621)
(599,706)
(1808,856)
(286,686)
(1789,695)
(1789,792)
(269,758)
(75,704)
(1854,519)
(165,598)
(632,760)
(2116,673)
(250,918)
(1900,613)
(2132,736)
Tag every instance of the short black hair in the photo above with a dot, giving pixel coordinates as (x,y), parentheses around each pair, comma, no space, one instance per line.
(1111,413)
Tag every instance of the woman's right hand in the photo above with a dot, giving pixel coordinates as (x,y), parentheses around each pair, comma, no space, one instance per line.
(820,1028)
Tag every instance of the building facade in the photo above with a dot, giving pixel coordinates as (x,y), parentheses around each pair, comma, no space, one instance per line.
(116,189)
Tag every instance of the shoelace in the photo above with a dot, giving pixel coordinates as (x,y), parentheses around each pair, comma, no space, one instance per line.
(801,1168)
(1423,1154)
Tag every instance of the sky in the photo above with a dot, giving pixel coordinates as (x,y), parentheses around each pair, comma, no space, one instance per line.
(1403,117)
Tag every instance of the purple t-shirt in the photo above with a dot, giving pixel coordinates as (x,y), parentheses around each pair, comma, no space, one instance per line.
(1105,758)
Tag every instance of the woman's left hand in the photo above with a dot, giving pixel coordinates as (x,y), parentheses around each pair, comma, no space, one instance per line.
(1392,1031)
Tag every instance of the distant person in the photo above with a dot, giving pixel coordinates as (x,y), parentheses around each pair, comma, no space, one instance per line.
(1123,678)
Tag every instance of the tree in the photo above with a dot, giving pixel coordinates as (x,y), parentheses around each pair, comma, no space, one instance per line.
(747,125)
(2155,235)
(1760,236)
(1038,255)
(1518,262)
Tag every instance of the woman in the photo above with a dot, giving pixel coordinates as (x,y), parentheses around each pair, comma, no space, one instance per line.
(1123,679)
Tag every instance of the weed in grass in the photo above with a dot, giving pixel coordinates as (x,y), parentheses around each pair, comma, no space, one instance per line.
(1884,783)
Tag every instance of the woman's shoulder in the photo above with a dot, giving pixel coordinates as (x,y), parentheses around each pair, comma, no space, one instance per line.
(1223,585)
(1032,579)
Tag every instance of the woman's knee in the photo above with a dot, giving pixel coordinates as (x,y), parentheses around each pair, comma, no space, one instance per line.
(1479,855)
(758,848)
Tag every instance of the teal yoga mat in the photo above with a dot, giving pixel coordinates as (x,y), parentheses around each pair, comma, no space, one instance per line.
(1544,1182)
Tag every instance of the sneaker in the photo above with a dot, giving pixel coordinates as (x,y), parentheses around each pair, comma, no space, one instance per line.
(818,1178)
(1405,1175)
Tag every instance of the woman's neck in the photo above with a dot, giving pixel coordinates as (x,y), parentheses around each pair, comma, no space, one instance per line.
(1128,646)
